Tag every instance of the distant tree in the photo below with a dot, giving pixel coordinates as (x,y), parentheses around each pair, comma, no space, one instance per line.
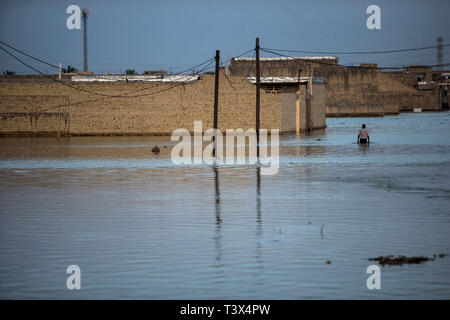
(69,69)
(7,72)
(130,72)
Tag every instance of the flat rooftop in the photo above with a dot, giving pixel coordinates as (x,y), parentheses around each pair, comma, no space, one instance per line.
(287,58)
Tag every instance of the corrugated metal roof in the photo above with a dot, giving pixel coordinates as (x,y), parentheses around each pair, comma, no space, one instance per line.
(285,80)
(287,58)
(136,78)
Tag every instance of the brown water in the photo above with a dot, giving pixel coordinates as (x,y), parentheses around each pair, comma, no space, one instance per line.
(140,227)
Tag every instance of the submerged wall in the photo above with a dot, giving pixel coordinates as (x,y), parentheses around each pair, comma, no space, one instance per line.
(29,108)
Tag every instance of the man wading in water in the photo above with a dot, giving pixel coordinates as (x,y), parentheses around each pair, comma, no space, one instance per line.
(363,135)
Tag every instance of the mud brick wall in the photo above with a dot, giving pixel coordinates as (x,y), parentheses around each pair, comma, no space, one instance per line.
(29,108)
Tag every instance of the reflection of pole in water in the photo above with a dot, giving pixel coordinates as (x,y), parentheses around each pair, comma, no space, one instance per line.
(218,236)
(258,249)
(258,196)
(216,182)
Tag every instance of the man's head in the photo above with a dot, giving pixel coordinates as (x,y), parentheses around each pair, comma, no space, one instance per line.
(363,126)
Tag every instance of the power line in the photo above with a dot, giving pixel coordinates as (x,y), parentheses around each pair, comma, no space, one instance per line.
(356,52)
(50,77)
(440,47)
(104,97)
(29,56)
(109,97)
(52,65)
(81,74)
(232,83)
(230,59)
(338,65)
(192,68)
(316,61)
(37,59)
(84,90)
(176,85)
(121,95)
(396,58)
(222,65)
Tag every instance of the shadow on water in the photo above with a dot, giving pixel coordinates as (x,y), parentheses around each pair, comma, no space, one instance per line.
(258,218)
(258,201)
(218,236)
(363,148)
(218,223)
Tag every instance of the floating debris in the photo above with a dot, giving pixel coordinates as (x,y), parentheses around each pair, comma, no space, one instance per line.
(400,260)
(328,262)
(155,149)
(389,186)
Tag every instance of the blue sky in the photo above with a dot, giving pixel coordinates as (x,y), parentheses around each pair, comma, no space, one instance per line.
(174,34)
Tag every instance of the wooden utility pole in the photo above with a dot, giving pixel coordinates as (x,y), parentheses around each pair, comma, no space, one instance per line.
(308,100)
(257,97)
(216,98)
(85,13)
(297,114)
(58,114)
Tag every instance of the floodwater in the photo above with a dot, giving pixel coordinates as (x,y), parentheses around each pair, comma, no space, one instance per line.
(140,227)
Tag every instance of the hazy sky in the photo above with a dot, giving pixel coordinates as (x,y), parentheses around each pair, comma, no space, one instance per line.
(177,34)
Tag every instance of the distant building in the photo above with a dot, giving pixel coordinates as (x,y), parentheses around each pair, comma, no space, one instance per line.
(363,90)
(135,78)
(279,67)
(155,73)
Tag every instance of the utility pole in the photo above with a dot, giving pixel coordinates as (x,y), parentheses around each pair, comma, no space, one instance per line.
(439,55)
(309,97)
(297,114)
(85,13)
(216,99)
(257,97)
(59,109)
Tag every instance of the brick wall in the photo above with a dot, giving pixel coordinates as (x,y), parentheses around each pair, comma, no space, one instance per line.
(157,114)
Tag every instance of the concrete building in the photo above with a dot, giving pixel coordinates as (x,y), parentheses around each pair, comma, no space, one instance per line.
(303,101)
(361,90)
(424,78)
